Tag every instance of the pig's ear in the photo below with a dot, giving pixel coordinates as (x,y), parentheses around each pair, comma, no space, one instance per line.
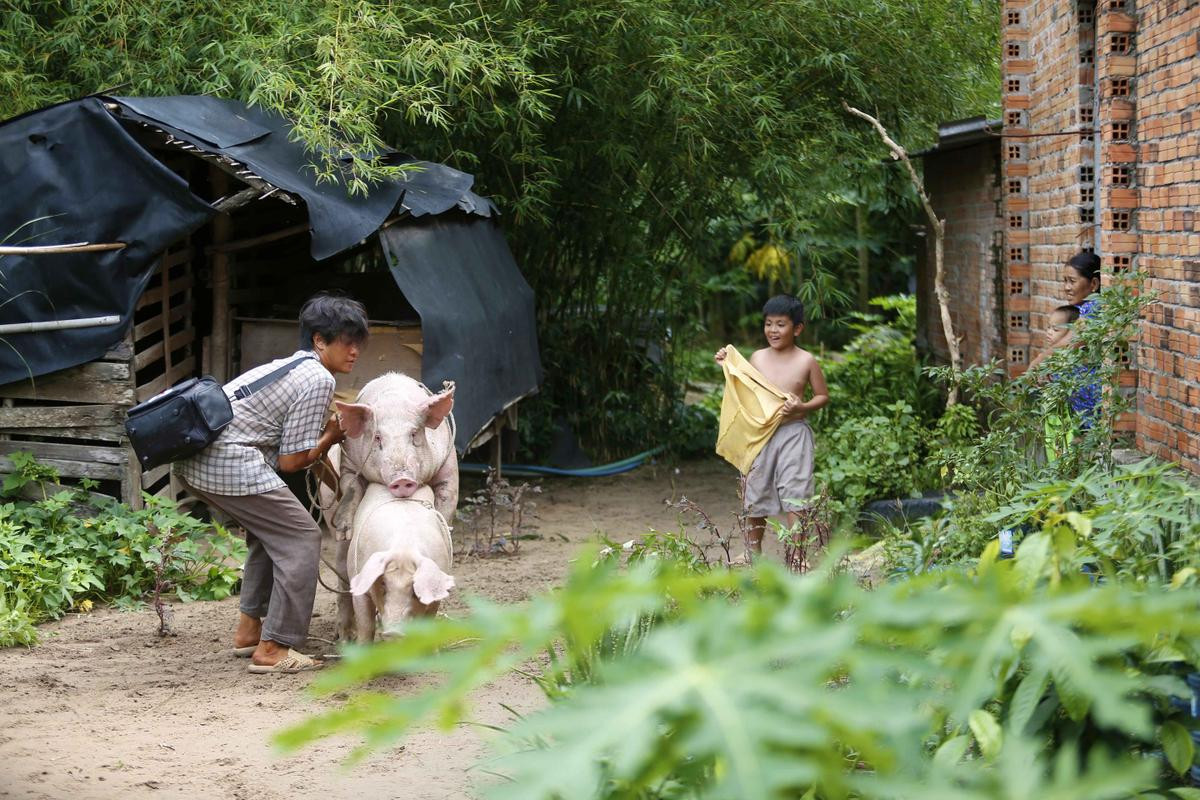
(354,418)
(430,584)
(364,580)
(438,406)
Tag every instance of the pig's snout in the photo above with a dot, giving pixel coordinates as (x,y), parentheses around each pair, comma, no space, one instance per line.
(403,487)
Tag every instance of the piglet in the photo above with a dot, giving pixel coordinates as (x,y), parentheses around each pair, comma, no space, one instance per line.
(397,560)
(398,435)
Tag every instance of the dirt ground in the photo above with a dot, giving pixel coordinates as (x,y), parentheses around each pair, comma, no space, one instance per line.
(103,708)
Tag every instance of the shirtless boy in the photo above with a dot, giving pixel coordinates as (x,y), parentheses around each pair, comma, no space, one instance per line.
(783,472)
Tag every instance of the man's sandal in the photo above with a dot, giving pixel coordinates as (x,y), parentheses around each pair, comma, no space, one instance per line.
(244,652)
(290,664)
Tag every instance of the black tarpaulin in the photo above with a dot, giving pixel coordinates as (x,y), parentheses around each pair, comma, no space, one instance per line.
(77,164)
(70,173)
(477,315)
(259,139)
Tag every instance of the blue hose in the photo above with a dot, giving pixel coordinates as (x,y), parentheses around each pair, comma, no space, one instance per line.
(602,471)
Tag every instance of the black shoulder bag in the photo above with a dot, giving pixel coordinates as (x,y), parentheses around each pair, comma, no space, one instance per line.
(188,417)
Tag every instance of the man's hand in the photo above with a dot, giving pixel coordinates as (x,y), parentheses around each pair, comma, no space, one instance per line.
(719,356)
(333,428)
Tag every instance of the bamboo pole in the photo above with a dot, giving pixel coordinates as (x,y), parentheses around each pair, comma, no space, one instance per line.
(58,324)
(49,249)
(939,237)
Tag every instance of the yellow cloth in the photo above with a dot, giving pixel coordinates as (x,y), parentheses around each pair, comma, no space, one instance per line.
(750,411)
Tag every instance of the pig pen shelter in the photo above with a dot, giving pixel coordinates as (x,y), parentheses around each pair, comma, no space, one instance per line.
(150,240)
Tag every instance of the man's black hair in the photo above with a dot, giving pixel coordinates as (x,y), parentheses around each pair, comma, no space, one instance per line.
(785,305)
(335,317)
(1086,264)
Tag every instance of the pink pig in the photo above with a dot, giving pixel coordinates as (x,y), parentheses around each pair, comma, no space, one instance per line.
(397,563)
(398,435)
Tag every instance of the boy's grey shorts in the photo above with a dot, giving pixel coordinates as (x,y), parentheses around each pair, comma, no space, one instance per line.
(783,471)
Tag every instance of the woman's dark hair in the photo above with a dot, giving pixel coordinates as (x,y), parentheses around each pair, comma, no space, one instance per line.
(784,305)
(335,317)
(1086,264)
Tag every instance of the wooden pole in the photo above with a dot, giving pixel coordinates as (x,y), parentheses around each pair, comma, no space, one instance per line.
(49,249)
(221,322)
(939,237)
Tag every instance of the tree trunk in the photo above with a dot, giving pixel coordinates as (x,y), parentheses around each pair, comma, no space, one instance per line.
(864,259)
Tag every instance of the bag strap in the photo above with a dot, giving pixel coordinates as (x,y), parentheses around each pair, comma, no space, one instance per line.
(242,392)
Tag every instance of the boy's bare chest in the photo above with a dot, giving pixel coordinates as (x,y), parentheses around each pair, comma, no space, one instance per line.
(790,375)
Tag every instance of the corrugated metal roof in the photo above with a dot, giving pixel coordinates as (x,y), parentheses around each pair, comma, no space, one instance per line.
(964,133)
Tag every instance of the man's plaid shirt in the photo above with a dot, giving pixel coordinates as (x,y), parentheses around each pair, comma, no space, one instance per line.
(285,417)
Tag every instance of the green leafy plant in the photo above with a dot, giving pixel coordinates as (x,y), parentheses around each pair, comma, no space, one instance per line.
(1019,678)
(75,547)
(872,457)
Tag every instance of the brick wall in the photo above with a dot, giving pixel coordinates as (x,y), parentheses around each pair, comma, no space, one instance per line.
(1101,150)
(1049,158)
(964,186)
(1162,40)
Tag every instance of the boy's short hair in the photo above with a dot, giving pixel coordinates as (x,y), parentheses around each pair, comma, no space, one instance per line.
(785,305)
(1071,311)
(335,317)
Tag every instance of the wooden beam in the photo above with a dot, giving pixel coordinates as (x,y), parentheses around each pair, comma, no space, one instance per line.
(154,295)
(160,350)
(95,382)
(73,452)
(254,241)
(154,324)
(222,328)
(164,381)
(60,416)
(121,351)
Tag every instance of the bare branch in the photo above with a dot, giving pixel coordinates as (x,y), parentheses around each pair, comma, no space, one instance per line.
(939,237)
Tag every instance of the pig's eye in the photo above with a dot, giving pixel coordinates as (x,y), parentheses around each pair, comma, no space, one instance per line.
(418,439)
(379,441)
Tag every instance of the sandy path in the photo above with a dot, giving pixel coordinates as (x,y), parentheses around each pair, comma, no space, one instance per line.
(105,709)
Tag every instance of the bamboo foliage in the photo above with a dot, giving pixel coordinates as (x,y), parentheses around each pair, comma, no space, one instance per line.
(616,135)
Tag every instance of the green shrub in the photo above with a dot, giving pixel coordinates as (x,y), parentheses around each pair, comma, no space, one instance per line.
(879,367)
(866,458)
(1016,679)
(73,547)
